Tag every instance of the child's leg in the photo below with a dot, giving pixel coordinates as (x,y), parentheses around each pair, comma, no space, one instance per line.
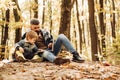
(18,56)
(18,53)
(37,58)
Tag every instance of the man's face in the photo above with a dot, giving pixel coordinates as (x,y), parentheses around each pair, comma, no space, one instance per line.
(35,28)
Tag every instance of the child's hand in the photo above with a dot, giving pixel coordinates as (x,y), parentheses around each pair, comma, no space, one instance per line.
(21,49)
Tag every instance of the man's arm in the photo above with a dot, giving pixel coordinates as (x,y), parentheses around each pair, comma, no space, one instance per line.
(23,37)
(48,38)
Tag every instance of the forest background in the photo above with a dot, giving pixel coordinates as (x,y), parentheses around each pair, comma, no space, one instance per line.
(91,25)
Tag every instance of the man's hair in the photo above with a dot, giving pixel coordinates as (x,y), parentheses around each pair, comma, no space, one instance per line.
(31,34)
(34,21)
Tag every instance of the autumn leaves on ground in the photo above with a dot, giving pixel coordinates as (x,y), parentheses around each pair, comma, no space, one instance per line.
(50,71)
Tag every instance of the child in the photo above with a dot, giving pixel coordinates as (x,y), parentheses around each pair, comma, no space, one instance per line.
(26,50)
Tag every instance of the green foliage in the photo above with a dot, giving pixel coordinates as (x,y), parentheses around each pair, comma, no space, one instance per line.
(113,52)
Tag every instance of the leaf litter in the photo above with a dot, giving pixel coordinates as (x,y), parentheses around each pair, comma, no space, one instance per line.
(50,71)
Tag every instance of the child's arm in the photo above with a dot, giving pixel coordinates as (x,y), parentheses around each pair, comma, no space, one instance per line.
(19,45)
(21,49)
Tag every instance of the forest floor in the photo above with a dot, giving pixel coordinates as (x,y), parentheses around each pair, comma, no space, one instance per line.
(50,71)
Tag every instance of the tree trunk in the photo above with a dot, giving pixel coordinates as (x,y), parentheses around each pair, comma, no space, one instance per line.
(79,27)
(17,19)
(93,32)
(65,17)
(2,30)
(35,9)
(82,14)
(50,15)
(102,27)
(75,37)
(113,20)
(7,17)
(43,14)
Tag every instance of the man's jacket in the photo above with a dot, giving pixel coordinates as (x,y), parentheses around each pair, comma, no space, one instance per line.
(48,38)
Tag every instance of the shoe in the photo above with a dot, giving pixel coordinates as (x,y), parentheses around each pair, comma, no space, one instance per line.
(18,57)
(59,61)
(77,58)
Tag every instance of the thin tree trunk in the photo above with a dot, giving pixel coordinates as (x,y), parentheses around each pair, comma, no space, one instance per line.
(82,14)
(30,10)
(75,37)
(16,3)
(73,30)
(17,19)
(50,16)
(2,33)
(6,27)
(2,26)
(79,27)
(18,30)
(102,27)
(93,32)
(43,14)
(35,9)
(113,21)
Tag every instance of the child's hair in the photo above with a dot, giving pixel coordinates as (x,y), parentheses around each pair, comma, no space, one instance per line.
(31,34)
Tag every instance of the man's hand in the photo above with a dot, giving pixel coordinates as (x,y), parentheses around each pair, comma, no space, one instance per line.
(50,45)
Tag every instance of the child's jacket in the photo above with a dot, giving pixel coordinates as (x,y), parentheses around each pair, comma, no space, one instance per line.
(29,49)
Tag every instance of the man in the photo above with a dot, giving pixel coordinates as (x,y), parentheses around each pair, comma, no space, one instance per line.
(27,50)
(45,43)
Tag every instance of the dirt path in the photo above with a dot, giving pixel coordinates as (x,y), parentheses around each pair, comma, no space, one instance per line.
(50,71)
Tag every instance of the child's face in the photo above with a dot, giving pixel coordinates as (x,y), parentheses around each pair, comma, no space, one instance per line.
(32,41)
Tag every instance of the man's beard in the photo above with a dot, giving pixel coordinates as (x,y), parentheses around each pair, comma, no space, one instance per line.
(37,32)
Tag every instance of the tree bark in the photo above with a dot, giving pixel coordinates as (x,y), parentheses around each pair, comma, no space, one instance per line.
(35,9)
(113,21)
(66,17)
(102,27)
(93,32)
(17,19)
(79,27)
(7,17)
(50,15)
(2,26)
(43,14)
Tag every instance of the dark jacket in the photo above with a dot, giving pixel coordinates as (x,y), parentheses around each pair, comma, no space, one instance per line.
(29,49)
(46,35)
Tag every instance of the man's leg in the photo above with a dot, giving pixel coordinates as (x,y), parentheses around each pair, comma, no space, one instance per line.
(49,56)
(52,58)
(63,40)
